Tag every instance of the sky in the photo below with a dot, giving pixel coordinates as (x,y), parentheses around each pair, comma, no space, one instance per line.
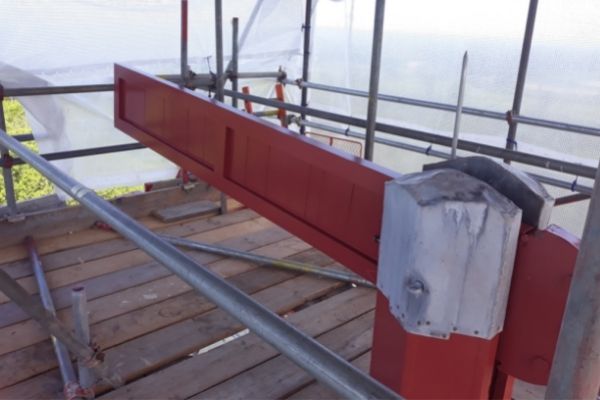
(557,20)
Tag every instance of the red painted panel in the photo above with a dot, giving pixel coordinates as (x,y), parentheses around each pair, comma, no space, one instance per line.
(538,295)
(332,200)
(419,367)
(461,367)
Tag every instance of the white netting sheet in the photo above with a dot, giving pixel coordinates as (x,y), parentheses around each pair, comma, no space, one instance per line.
(424,42)
(74,42)
(67,42)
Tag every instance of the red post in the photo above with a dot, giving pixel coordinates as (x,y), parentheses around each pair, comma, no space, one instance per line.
(281,113)
(247,103)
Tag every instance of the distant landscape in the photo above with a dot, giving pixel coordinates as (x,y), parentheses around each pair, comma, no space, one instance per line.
(563,84)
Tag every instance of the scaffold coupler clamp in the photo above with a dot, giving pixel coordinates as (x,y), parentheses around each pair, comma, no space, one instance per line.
(7,160)
(73,390)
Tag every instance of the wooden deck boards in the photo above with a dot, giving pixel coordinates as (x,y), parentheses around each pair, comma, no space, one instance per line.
(149,322)
(153,327)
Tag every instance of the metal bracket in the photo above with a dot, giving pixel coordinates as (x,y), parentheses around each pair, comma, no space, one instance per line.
(527,193)
(446,256)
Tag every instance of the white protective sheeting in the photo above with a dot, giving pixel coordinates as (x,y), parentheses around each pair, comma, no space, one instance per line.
(424,42)
(71,42)
(46,43)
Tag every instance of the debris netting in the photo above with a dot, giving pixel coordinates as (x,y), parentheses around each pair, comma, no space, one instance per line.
(423,46)
(68,42)
(77,42)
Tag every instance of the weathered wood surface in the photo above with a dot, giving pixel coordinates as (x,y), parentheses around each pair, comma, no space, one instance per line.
(148,321)
(62,220)
(179,380)
(154,350)
(279,376)
(317,390)
(79,253)
(138,287)
(188,210)
(143,317)
(34,205)
(66,276)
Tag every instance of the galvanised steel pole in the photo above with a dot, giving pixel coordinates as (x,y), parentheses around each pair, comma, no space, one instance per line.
(575,372)
(501,116)
(220,75)
(184,42)
(9,188)
(82,330)
(306,59)
(429,151)
(63,155)
(235,23)
(432,138)
(459,104)
(62,354)
(326,366)
(93,358)
(219,48)
(289,265)
(374,77)
(521,76)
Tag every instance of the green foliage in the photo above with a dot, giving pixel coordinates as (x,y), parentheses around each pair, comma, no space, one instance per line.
(15,118)
(29,184)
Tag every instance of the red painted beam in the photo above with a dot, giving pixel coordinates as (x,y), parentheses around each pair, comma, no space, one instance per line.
(334,201)
(328,198)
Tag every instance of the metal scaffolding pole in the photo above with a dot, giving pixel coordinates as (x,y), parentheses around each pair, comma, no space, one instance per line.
(279,75)
(25,137)
(46,90)
(220,75)
(9,187)
(306,58)
(432,138)
(374,77)
(521,76)
(204,81)
(289,265)
(575,372)
(398,99)
(219,48)
(478,112)
(35,309)
(323,364)
(233,65)
(459,104)
(82,330)
(184,42)
(62,354)
(63,155)
(429,151)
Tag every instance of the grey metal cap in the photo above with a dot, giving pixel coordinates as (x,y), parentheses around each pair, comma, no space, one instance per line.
(527,193)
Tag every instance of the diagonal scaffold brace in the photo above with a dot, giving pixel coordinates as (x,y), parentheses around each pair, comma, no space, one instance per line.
(290,265)
(93,358)
(323,364)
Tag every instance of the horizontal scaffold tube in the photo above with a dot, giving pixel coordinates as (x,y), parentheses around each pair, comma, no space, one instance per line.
(322,363)
(429,151)
(197,81)
(270,262)
(432,138)
(503,116)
